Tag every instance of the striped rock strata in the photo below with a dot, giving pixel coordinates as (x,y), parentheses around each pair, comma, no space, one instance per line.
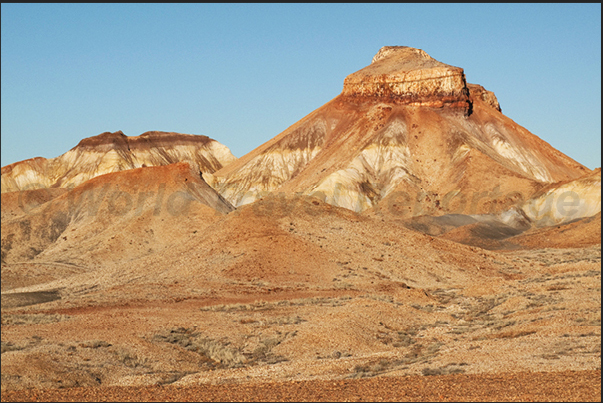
(409,76)
(114,152)
(407,135)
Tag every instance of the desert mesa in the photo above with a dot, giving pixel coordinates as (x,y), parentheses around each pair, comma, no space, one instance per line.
(407,227)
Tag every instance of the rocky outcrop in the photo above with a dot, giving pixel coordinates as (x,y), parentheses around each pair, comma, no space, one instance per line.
(487,97)
(113,152)
(409,76)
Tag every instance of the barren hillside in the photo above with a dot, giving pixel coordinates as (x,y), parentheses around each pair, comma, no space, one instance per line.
(406,241)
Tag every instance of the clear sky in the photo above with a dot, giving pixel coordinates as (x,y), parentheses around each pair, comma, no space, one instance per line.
(243,73)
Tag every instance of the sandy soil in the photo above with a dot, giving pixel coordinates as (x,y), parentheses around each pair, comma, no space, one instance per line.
(579,386)
(544,320)
(316,301)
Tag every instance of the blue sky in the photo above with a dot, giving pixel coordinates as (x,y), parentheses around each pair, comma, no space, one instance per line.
(243,73)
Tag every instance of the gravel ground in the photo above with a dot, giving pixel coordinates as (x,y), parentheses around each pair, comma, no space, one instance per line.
(579,386)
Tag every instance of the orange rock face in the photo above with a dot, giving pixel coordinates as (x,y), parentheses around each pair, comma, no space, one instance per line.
(409,76)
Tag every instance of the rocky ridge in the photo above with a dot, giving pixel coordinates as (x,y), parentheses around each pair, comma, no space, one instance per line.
(113,152)
(125,211)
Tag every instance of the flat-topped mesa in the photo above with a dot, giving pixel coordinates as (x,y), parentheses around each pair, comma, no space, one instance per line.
(112,152)
(147,139)
(410,76)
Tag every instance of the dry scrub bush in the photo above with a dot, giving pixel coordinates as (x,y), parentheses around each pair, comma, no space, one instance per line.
(95,344)
(9,346)
(220,353)
(32,319)
(130,359)
(263,305)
